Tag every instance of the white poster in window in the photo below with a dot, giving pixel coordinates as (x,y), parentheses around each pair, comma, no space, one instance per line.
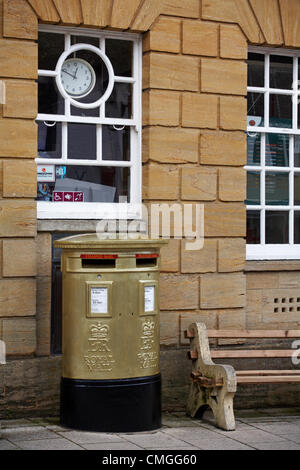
(46,173)
(149,297)
(99,300)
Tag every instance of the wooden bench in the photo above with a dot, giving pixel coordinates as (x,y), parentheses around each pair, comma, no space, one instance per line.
(214,385)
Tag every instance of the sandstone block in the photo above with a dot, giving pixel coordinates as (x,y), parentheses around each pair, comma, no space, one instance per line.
(199,110)
(43,315)
(19,258)
(164,36)
(224,220)
(224,76)
(17,218)
(200,38)
(233,112)
(184,8)
(19,335)
(170,145)
(222,291)
(161,107)
(12,53)
(19,178)
(21,99)
(170,257)
(160,182)
(179,292)
(19,20)
(169,328)
(267,280)
(17,297)
(171,72)
(232,184)
(200,261)
(233,42)
(18,138)
(44,254)
(198,184)
(231,255)
(223,148)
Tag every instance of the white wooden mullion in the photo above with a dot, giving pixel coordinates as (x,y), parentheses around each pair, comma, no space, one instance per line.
(263,189)
(77,162)
(64,141)
(291,191)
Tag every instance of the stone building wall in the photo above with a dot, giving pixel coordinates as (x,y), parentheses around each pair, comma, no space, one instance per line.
(194,150)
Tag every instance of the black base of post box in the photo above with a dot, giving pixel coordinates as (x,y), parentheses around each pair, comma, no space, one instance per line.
(125,405)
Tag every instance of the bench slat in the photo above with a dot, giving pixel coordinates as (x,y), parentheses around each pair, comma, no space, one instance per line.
(252,379)
(248,353)
(241,373)
(253,333)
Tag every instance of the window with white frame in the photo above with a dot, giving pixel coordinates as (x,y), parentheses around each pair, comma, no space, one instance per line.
(89,123)
(273,154)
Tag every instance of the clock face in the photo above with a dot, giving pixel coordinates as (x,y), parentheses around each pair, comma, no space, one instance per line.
(78,77)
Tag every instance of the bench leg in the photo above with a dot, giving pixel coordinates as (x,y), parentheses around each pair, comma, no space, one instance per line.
(218,399)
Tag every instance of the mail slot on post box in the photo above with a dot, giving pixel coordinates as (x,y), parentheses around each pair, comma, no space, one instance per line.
(110,366)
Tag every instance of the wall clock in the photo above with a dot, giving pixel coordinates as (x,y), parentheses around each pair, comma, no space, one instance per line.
(76,78)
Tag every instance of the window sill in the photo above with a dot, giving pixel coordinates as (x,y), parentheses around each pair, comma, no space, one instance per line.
(281,265)
(54,225)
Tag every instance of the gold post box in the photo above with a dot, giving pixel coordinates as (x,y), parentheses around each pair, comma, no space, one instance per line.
(110,367)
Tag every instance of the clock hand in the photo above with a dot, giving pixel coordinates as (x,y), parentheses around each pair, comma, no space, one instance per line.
(74,76)
(76,73)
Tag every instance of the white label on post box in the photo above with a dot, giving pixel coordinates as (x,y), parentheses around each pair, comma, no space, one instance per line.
(99,299)
(149,298)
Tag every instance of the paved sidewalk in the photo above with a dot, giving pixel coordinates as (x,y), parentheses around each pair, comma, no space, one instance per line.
(263,429)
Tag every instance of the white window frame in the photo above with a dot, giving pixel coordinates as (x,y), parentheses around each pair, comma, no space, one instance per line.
(98,211)
(265,251)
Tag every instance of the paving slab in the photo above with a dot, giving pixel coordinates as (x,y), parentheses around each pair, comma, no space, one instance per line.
(48,444)
(6,445)
(277,428)
(158,440)
(83,437)
(111,446)
(28,434)
(283,445)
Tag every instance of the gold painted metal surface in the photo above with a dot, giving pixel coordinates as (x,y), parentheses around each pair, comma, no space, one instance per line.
(111,335)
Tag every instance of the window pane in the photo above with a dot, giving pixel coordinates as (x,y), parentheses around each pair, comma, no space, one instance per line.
(281,72)
(255,109)
(253,188)
(82,141)
(277,150)
(120,55)
(297,151)
(277,227)
(297,189)
(85,40)
(256,74)
(253,227)
(50,100)
(51,46)
(49,140)
(119,103)
(86,184)
(253,149)
(297,227)
(277,189)
(116,143)
(280,111)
